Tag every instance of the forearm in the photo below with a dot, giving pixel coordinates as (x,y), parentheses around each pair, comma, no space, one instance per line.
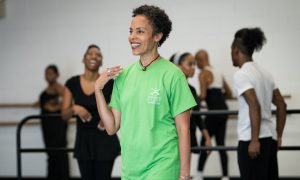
(255,119)
(67,113)
(184,149)
(105,113)
(205,134)
(280,119)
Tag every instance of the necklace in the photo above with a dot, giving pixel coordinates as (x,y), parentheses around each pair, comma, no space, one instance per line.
(144,68)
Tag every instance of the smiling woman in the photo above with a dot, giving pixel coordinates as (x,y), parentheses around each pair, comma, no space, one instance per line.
(151,103)
(95,150)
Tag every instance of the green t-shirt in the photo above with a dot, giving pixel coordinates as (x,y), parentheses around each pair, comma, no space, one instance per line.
(149,101)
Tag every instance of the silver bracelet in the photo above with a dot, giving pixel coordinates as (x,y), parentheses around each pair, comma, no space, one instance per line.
(185,177)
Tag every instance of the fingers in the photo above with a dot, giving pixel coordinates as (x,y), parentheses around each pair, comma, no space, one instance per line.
(253,155)
(113,72)
(101,126)
(105,76)
(86,118)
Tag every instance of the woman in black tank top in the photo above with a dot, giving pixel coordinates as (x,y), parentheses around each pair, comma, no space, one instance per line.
(211,91)
(54,129)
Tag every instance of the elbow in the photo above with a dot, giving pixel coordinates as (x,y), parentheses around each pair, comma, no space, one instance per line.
(64,116)
(284,105)
(110,132)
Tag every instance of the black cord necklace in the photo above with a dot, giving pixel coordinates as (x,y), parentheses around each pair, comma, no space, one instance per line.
(144,68)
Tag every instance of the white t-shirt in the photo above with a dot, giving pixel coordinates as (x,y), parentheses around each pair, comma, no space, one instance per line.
(251,76)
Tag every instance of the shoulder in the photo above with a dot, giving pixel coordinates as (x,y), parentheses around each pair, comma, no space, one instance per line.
(205,73)
(118,81)
(72,81)
(265,72)
(239,74)
(170,69)
(59,88)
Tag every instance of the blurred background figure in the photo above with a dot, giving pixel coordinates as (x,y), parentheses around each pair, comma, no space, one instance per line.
(213,90)
(95,150)
(186,62)
(54,130)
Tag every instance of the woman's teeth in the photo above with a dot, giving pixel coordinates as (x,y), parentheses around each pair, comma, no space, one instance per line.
(134,45)
(93,62)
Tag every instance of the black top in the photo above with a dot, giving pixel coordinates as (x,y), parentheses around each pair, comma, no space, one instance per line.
(45,97)
(215,99)
(196,120)
(53,128)
(92,143)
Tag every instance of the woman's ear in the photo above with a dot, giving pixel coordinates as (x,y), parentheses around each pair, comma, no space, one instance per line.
(157,37)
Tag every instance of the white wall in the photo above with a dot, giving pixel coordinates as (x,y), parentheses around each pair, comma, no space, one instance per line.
(35,33)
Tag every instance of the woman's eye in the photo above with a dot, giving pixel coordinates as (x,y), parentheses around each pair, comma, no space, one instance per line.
(140,31)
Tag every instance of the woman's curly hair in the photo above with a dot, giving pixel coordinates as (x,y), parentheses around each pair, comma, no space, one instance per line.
(158,19)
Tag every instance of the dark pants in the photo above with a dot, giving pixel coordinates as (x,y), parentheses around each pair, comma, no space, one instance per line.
(264,167)
(54,132)
(216,127)
(95,170)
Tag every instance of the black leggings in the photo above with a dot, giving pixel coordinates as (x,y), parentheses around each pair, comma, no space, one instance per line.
(95,170)
(264,167)
(216,126)
(54,131)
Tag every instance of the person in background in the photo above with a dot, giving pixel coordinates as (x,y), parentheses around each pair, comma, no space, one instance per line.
(186,62)
(95,150)
(54,129)
(212,85)
(259,137)
(151,104)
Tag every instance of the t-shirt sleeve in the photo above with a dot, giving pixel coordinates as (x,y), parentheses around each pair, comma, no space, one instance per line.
(241,83)
(274,85)
(181,98)
(115,97)
(70,84)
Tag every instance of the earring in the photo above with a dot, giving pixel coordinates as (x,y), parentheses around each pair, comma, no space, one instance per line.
(158,45)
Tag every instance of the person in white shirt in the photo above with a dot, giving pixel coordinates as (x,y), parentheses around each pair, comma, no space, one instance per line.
(258,135)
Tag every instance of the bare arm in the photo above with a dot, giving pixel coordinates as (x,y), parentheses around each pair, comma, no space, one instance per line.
(183,129)
(203,85)
(278,101)
(208,142)
(228,92)
(206,135)
(68,108)
(110,117)
(255,119)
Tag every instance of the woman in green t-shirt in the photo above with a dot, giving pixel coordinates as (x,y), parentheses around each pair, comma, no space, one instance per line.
(151,104)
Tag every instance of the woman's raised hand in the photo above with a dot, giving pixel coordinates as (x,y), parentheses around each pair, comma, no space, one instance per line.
(105,76)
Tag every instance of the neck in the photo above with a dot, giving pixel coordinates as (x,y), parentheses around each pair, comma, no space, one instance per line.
(148,57)
(52,84)
(91,75)
(147,61)
(244,60)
